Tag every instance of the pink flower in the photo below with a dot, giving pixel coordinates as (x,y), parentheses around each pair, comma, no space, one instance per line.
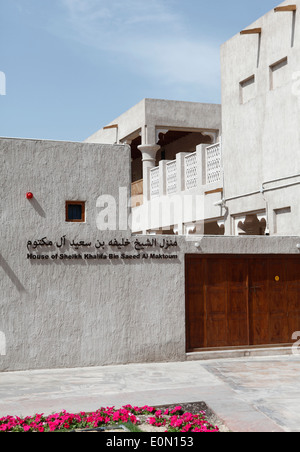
(52,426)
(149,409)
(186,428)
(188,417)
(133,419)
(116,417)
(176,409)
(156,422)
(151,420)
(176,422)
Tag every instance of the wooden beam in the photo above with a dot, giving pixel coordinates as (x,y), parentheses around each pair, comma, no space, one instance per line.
(211,192)
(114,126)
(285,8)
(251,31)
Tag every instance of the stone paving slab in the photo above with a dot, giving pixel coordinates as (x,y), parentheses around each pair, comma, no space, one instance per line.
(255,394)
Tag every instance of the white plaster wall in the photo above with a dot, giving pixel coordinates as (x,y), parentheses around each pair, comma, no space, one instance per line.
(77,313)
(183,114)
(151,113)
(261,138)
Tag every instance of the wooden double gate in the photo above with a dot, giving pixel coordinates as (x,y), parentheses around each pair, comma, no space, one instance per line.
(235,301)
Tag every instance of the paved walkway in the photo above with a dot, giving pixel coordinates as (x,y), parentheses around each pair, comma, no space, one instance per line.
(248,394)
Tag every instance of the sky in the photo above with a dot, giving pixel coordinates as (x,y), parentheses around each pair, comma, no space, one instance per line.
(73,66)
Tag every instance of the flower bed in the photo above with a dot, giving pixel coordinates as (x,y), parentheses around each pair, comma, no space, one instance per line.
(175,420)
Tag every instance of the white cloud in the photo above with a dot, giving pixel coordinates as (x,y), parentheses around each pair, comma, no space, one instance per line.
(147,36)
(120,15)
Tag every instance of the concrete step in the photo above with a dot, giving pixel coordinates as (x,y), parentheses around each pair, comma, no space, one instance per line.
(239,353)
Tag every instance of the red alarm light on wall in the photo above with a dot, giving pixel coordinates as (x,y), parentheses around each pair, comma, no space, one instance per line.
(29,195)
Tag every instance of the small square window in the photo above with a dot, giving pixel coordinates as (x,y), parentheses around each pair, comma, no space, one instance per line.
(75,211)
(247,90)
(278,74)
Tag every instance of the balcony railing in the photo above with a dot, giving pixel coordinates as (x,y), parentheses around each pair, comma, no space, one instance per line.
(187,172)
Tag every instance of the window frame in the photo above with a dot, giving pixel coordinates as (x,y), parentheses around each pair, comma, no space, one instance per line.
(82,204)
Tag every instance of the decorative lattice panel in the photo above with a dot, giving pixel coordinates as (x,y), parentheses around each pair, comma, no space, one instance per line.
(213,163)
(191,171)
(171,173)
(154,182)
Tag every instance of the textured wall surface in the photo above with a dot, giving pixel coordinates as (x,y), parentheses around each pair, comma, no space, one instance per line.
(77,312)
(154,113)
(58,313)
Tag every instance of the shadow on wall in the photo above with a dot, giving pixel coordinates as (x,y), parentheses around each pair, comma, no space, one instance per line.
(12,276)
(38,208)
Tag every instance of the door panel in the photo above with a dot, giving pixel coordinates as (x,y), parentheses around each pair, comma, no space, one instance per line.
(293,296)
(216,302)
(277,296)
(258,304)
(195,278)
(237,307)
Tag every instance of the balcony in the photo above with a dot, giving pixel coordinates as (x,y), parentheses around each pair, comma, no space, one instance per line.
(188,172)
(182,193)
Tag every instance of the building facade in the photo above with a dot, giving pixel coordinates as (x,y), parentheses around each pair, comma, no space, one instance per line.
(169,141)
(186,155)
(260,133)
(170,233)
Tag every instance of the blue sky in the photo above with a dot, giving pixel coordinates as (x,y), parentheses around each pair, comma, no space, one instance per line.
(72,66)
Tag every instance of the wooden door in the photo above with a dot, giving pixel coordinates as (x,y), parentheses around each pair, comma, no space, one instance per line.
(216,302)
(234,301)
